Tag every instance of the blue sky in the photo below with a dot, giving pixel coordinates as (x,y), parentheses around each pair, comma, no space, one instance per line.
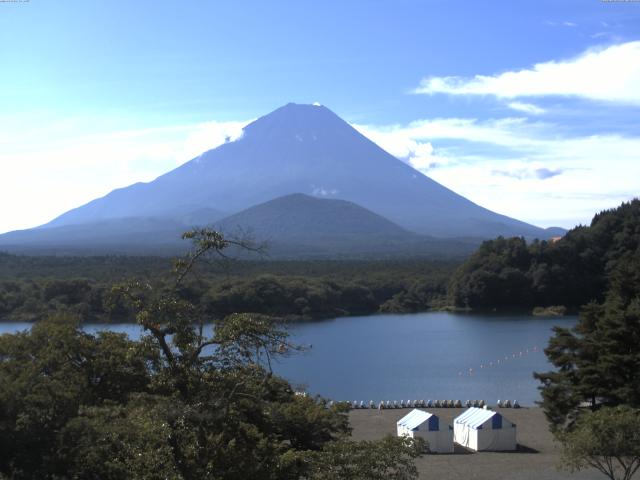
(530,108)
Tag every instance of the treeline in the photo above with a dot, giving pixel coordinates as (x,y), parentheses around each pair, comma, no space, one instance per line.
(322,298)
(31,288)
(573,271)
(107,268)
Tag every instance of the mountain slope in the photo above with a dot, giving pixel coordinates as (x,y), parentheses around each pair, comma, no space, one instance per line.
(113,235)
(308,149)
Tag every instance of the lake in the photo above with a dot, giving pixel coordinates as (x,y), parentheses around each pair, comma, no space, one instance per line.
(432,355)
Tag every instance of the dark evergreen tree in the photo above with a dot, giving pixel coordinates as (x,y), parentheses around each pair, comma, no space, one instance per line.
(598,361)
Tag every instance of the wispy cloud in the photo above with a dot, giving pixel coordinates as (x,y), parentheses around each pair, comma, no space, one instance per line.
(529,108)
(561,24)
(542,173)
(609,74)
(519,167)
(401,140)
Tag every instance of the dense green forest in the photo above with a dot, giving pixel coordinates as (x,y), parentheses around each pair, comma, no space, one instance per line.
(573,271)
(33,287)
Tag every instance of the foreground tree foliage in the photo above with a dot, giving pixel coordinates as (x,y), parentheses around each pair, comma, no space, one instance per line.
(174,405)
(47,375)
(607,440)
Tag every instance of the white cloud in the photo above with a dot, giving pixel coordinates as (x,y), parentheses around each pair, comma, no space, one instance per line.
(538,176)
(405,144)
(64,166)
(208,135)
(606,74)
(526,108)
(324,192)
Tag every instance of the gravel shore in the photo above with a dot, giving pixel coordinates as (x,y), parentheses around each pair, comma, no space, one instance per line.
(536,458)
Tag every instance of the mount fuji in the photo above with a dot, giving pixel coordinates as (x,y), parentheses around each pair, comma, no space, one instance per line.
(296,149)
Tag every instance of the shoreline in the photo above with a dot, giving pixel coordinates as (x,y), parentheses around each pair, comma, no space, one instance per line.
(543,312)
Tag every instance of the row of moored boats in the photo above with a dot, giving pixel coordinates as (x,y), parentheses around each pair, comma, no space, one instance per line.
(391,404)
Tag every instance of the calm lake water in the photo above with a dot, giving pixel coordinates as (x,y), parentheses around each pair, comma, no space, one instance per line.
(433,355)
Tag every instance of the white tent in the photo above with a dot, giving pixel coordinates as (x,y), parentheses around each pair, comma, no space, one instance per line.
(418,423)
(480,429)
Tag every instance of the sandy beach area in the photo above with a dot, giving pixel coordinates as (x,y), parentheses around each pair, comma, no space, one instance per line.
(536,458)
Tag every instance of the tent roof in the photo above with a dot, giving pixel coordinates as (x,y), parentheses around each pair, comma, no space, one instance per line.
(475,417)
(414,418)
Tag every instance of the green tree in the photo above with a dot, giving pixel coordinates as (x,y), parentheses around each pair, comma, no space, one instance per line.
(392,458)
(607,440)
(46,376)
(597,361)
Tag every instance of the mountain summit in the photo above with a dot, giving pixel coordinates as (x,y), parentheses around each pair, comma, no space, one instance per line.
(300,149)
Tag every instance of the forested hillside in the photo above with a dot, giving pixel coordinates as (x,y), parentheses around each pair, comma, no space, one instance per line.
(577,269)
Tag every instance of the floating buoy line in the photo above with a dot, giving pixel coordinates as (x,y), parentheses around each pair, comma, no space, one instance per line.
(502,360)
